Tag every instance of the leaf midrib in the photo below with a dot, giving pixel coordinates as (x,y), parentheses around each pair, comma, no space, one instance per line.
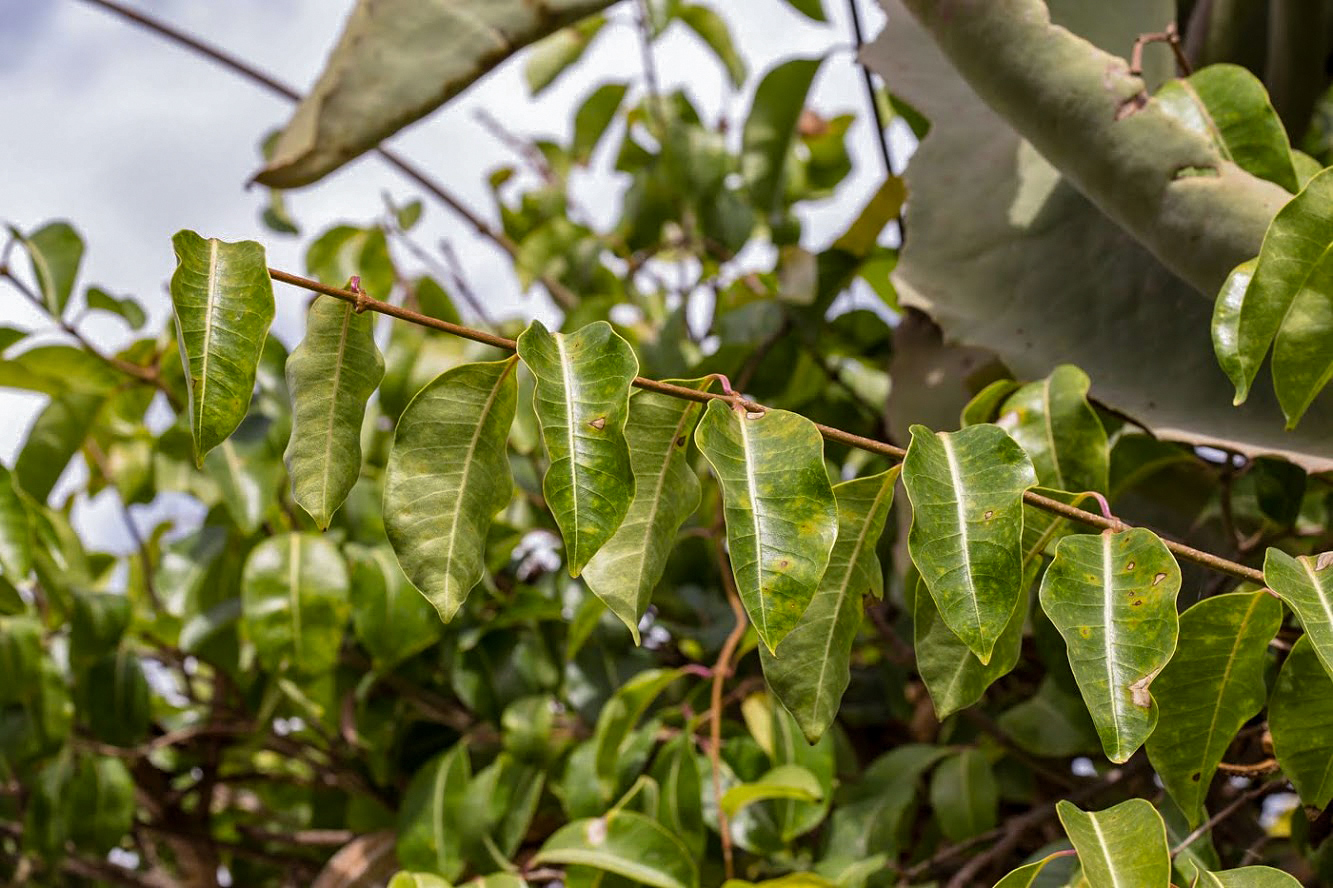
(333,410)
(752,489)
(657,495)
(209,305)
(1106,850)
(567,383)
(956,483)
(1109,640)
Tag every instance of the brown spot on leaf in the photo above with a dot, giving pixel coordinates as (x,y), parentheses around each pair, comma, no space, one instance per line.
(754,414)
(599,423)
(1136,603)
(1196,776)
(1129,566)
(680,442)
(784,563)
(1157,579)
(1323,561)
(989,514)
(1138,691)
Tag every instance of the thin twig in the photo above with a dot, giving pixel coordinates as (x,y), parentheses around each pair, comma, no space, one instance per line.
(559,292)
(838,436)
(720,672)
(858,35)
(1239,802)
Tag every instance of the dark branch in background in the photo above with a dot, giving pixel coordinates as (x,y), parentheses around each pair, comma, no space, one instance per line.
(559,292)
(858,36)
(838,436)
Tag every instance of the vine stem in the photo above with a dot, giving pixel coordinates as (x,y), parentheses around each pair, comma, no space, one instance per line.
(838,436)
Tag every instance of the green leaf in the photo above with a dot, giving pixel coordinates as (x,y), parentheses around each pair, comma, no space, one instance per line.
(99,804)
(1300,718)
(872,810)
(56,436)
(680,805)
(952,673)
(782,782)
(1053,421)
(814,668)
(1026,876)
(247,472)
(582,401)
(626,844)
(346,251)
(1283,305)
(1210,689)
(1052,723)
(781,516)
(114,698)
(394,63)
(448,474)
(96,625)
(1230,106)
(627,569)
(553,55)
(223,300)
(812,9)
(20,657)
(331,374)
(417,880)
(429,836)
(1248,877)
(770,129)
(1305,584)
(1122,845)
(125,308)
(391,620)
(294,602)
(1113,598)
(964,795)
(966,490)
(619,716)
(593,117)
(712,30)
(55,251)
(15,531)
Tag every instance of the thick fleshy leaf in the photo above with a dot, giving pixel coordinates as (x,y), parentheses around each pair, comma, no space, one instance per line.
(331,375)
(294,602)
(1026,876)
(626,844)
(55,251)
(448,474)
(1248,877)
(1300,718)
(1113,598)
(392,621)
(1210,689)
(396,62)
(626,570)
(712,30)
(1283,306)
(1053,421)
(428,829)
(223,300)
(1305,583)
(782,782)
(964,795)
(15,535)
(966,490)
(582,401)
(780,512)
(1122,845)
(814,666)
(770,129)
(1230,106)
(952,673)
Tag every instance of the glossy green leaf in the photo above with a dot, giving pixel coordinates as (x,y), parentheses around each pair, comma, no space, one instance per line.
(782,782)
(712,30)
(582,401)
(1230,106)
(428,823)
(985,404)
(1305,584)
(1053,421)
(781,516)
(953,675)
(814,666)
(627,569)
(626,844)
(557,53)
(1113,598)
(391,619)
(331,375)
(593,117)
(1120,846)
(812,9)
(126,308)
(346,251)
(1248,877)
(394,63)
(99,804)
(294,601)
(1300,718)
(55,251)
(223,300)
(680,805)
(621,713)
(55,438)
(1213,685)
(966,490)
(1284,305)
(448,474)
(1026,876)
(964,796)
(15,533)
(770,129)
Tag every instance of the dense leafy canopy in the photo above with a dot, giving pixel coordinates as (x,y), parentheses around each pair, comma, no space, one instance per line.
(488,605)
